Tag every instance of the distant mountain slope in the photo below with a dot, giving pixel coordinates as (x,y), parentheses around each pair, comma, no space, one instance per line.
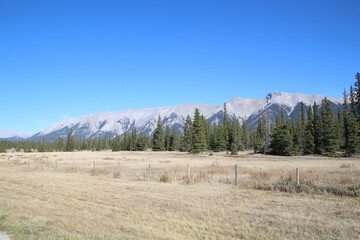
(13,136)
(110,124)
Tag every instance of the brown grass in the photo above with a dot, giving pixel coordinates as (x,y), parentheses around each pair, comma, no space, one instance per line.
(76,201)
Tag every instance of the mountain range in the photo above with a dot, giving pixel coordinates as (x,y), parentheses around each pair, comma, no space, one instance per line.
(110,124)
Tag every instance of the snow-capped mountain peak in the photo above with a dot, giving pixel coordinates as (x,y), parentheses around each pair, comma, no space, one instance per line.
(110,124)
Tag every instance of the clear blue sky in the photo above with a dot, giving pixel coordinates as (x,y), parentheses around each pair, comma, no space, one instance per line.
(61,59)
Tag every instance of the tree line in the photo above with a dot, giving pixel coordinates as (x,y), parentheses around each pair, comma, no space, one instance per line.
(317,130)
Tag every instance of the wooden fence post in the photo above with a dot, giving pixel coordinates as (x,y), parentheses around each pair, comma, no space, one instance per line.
(149,171)
(297,176)
(236,174)
(56,165)
(188,171)
(94,164)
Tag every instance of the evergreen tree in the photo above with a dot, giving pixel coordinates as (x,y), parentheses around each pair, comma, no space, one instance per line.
(69,142)
(282,139)
(185,144)
(167,138)
(220,138)
(259,136)
(265,145)
(174,141)
(352,100)
(235,137)
(115,146)
(309,133)
(316,128)
(133,140)
(158,142)
(300,131)
(198,138)
(357,96)
(142,142)
(339,125)
(350,130)
(245,135)
(329,141)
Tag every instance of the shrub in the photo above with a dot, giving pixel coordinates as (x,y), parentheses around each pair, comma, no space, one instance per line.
(165,178)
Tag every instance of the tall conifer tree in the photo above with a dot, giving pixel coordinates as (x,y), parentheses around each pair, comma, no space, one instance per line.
(198,138)
(158,142)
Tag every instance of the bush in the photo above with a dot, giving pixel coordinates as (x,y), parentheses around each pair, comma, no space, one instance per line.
(165,178)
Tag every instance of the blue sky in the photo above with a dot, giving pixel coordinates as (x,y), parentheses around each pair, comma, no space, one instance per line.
(61,59)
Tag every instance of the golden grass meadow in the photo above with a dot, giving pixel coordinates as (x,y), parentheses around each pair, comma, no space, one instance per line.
(116,195)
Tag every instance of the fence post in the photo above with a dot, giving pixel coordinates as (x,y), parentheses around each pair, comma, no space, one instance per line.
(236,174)
(188,171)
(94,164)
(41,165)
(118,166)
(297,176)
(56,164)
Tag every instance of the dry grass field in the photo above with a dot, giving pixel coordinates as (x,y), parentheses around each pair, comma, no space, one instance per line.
(63,196)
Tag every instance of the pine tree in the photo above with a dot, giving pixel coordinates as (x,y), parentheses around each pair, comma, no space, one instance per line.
(185,143)
(352,100)
(300,138)
(350,130)
(174,141)
(245,135)
(309,133)
(158,142)
(220,139)
(339,125)
(167,138)
(260,135)
(69,142)
(198,140)
(282,139)
(316,127)
(235,137)
(133,140)
(115,146)
(265,145)
(329,142)
(357,96)
(142,142)
(226,129)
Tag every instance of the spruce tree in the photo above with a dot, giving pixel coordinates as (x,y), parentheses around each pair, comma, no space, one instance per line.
(133,140)
(174,141)
(69,147)
(220,139)
(300,138)
(115,145)
(316,127)
(350,130)
(142,142)
(185,143)
(309,133)
(158,142)
(259,135)
(167,138)
(245,135)
(226,129)
(329,141)
(357,96)
(198,138)
(282,139)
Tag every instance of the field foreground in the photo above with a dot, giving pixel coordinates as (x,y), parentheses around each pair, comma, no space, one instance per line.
(106,195)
